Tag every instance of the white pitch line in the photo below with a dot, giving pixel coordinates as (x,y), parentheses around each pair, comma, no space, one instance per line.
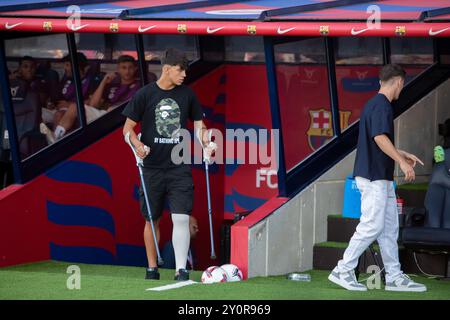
(172,286)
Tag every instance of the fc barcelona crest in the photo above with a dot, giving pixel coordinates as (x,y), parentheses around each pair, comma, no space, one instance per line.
(251,29)
(47,25)
(321,126)
(182,28)
(324,30)
(114,27)
(400,30)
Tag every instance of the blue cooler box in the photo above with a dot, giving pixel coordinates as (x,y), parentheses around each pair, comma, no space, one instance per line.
(352,199)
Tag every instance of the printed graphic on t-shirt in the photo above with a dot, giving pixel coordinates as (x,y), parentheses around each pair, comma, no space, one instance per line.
(112,93)
(68,90)
(66,87)
(167,119)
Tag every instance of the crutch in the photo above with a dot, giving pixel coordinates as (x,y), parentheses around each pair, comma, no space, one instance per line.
(208,192)
(140,163)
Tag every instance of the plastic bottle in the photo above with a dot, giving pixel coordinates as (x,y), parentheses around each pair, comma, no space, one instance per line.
(299,277)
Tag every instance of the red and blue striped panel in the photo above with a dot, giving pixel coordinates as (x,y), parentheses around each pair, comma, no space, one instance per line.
(246,10)
(100,10)
(390,10)
(235,11)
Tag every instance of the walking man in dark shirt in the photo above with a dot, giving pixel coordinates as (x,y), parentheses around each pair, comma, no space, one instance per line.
(162,108)
(374,174)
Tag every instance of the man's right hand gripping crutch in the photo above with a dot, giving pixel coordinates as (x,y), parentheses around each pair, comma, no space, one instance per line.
(140,151)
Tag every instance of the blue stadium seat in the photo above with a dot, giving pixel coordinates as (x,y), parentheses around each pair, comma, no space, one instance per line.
(94,72)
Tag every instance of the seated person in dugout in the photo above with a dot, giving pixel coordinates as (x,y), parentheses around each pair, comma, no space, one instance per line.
(27,72)
(114,89)
(65,95)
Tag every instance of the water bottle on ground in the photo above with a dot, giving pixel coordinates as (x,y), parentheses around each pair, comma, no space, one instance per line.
(299,277)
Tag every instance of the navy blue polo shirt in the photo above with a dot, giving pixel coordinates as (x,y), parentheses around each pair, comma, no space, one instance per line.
(377,118)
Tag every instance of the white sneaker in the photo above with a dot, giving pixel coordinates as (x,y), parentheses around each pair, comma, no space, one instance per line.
(48,133)
(346,280)
(404,284)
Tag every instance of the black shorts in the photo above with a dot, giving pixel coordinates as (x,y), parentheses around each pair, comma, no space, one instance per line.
(175,183)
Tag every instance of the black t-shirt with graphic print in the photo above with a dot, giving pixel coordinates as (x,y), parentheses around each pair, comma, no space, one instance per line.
(162,114)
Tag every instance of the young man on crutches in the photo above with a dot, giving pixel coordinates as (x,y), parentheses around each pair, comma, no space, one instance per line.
(162,108)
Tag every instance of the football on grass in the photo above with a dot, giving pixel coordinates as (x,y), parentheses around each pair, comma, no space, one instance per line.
(214,274)
(233,272)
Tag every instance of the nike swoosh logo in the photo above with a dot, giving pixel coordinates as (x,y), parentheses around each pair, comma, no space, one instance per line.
(433,33)
(76,28)
(10,26)
(356,32)
(208,30)
(140,29)
(280,31)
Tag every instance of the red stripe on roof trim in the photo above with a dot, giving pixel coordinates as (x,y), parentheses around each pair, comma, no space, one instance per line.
(338,29)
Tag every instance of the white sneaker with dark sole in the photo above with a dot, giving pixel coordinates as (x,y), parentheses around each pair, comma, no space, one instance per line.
(346,280)
(404,284)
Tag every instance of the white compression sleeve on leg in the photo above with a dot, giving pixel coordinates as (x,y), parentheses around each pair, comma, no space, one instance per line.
(180,239)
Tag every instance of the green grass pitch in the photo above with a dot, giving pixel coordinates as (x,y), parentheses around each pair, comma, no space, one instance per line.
(47,280)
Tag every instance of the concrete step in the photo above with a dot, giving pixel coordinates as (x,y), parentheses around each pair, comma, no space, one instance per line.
(327,254)
(340,229)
